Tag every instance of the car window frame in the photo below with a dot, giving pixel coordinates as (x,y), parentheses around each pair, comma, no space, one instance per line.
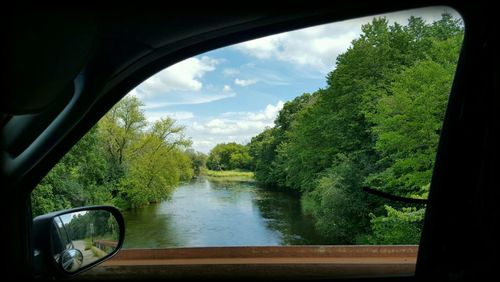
(117,88)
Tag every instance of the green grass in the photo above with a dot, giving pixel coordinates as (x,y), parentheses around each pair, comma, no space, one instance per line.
(88,244)
(98,253)
(228,175)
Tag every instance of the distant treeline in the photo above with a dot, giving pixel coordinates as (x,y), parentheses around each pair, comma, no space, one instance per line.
(376,124)
(229,156)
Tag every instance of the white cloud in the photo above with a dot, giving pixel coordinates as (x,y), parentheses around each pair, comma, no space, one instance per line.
(133,92)
(231,127)
(180,115)
(230,72)
(267,115)
(181,84)
(265,47)
(189,99)
(318,47)
(183,76)
(244,82)
(153,116)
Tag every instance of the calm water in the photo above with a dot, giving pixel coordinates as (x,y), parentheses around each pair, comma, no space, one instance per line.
(208,213)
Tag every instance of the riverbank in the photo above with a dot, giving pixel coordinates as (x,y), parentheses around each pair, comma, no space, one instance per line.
(228,175)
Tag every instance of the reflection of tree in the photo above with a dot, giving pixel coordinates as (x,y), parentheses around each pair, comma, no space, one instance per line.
(151,228)
(98,223)
(283,213)
(113,228)
(230,191)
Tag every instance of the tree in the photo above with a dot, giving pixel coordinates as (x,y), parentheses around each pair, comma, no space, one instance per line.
(397,227)
(42,200)
(78,179)
(121,127)
(148,155)
(337,204)
(229,156)
(376,123)
(122,160)
(198,160)
(407,127)
(263,147)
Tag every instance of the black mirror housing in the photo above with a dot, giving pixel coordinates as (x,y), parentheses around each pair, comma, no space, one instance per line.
(71,241)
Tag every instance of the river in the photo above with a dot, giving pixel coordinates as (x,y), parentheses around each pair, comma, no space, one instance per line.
(214,213)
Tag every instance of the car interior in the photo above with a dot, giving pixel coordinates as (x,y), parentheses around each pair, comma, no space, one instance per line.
(63,70)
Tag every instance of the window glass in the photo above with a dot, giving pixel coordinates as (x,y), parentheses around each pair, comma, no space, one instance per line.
(271,141)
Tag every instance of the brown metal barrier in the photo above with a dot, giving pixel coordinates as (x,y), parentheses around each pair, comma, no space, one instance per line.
(259,262)
(105,243)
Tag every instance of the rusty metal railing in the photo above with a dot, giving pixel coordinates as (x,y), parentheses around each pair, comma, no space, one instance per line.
(260,262)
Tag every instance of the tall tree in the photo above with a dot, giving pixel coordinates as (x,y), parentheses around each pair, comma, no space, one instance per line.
(123,160)
(122,126)
(263,147)
(80,178)
(407,127)
(377,122)
(147,156)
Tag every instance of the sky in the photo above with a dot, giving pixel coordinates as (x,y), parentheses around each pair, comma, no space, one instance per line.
(233,93)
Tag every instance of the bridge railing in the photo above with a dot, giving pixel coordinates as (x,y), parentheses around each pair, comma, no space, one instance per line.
(260,262)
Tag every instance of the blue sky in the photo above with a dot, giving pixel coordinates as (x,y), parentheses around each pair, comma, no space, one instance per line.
(231,94)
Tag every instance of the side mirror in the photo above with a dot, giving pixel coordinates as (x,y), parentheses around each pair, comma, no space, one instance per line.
(71,241)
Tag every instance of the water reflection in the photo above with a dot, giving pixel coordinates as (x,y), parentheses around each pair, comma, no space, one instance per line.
(148,227)
(284,214)
(207,213)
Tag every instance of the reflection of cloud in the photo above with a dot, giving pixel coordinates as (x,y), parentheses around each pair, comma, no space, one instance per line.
(66,218)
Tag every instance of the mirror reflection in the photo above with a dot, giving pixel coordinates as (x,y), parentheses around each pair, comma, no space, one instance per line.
(71,260)
(83,237)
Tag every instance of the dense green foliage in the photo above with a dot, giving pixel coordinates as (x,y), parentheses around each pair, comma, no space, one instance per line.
(79,178)
(228,157)
(124,160)
(263,147)
(198,160)
(377,123)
